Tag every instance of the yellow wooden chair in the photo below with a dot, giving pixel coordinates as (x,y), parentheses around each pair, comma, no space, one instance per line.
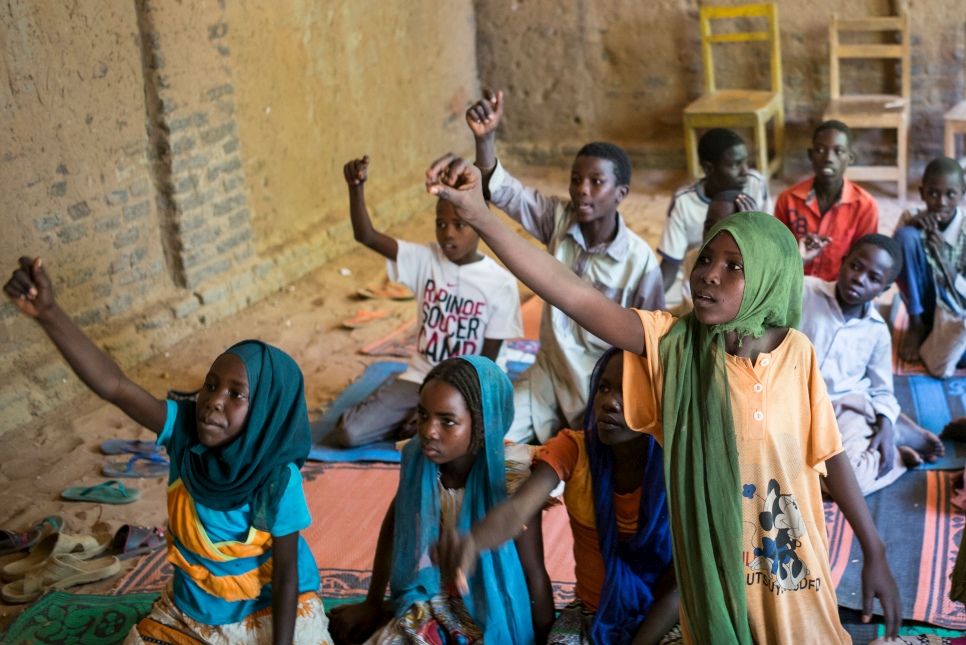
(954,123)
(723,108)
(885,111)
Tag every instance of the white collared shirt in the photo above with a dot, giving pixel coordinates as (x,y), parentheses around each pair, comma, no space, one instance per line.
(853,355)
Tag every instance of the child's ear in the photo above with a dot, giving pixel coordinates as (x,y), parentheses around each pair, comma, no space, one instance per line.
(707,167)
(622,192)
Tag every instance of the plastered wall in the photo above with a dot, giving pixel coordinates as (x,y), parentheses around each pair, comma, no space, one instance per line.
(174,162)
(576,70)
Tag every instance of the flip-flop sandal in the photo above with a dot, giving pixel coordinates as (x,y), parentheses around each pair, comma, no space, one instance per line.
(14,541)
(60,572)
(121,446)
(110,492)
(363,318)
(131,540)
(140,465)
(392,291)
(82,547)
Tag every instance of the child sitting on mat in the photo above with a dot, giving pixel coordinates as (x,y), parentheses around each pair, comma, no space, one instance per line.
(450,477)
(615,499)
(242,571)
(733,393)
(466,304)
(588,234)
(853,346)
(933,276)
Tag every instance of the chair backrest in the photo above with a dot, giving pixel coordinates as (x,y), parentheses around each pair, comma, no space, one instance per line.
(768,10)
(896,51)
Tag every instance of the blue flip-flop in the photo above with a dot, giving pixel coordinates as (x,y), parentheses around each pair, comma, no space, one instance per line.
(111,492)
(140,465)
(120,446)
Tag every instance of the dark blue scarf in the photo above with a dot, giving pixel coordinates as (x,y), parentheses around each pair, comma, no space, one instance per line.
(634,566)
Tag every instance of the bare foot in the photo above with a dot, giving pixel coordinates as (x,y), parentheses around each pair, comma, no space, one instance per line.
(927,444)
(911,342)
(910,457)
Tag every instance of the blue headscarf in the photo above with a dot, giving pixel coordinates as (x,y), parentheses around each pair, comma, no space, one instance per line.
(498,599)
(254,467)
(631,567)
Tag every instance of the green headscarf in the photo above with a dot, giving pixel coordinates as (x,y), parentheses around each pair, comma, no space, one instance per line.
(701,468)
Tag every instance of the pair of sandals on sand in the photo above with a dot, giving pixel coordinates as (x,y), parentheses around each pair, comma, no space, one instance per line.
(145,462)
(60,560)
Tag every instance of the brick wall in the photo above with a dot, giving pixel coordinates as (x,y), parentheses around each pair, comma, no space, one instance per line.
(138,157)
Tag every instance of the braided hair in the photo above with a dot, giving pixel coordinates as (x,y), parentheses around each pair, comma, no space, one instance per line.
(462,375)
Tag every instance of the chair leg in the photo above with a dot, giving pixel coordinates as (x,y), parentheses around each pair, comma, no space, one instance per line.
(950,141)
(691,149)
(780,139)
(761,145)
(903,161)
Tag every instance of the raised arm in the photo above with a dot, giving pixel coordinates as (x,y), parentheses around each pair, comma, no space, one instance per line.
(484,118)
(356,173)
(31,290)
(458,182)
(877,580)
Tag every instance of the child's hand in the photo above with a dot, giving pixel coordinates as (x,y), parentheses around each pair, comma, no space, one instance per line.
(356,171)
(354,623)
(884,442)
(484,116)
(458,182)
(955,430)
(877,582)
(745,204)
(811,245)
(456,556)
(30,288)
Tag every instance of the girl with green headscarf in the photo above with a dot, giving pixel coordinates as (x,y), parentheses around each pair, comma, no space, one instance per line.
(733,393)
(242,571)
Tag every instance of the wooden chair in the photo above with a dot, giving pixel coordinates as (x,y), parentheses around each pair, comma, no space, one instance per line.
(885,111)
(724,108)
(954,122)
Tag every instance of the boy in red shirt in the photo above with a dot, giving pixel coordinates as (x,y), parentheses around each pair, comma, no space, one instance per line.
(828,209)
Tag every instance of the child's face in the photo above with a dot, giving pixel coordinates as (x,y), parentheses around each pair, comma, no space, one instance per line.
(457,238)
(717,211)
(718,281)
(942,194)
(730,172)
(609,404)
(866,272)
(222,408)
(594,190)
(445,427)
(830,155)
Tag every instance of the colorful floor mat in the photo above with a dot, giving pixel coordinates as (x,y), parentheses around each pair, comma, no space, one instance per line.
(61,618)
(934,403)
(348,502)
(921,531)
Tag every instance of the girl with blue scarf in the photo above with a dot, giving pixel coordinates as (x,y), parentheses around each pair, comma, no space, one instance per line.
(242,571)
(451,475)
(618,513)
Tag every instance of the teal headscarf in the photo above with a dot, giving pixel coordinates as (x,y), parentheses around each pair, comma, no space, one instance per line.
(701,467)
(254,468)
(498,600)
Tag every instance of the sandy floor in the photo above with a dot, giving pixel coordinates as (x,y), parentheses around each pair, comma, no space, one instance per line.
(61,450)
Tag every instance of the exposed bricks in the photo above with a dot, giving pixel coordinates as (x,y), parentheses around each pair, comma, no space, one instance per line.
(137,211)
(79,210)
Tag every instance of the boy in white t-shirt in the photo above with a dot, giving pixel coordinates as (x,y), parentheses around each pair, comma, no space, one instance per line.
(467,305)
(724,159)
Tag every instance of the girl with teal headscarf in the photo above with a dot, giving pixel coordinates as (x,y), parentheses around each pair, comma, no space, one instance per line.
(452,472)
(746,520)
(235,499)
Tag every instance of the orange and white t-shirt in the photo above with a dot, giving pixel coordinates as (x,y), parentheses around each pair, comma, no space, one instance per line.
(785,429)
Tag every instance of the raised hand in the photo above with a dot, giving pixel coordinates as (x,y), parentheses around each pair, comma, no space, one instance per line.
(458,182)
(811,245)
(485,115)
(30,288)
(356,171)
(745,204)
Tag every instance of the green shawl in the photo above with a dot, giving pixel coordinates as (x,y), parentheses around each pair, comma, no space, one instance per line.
(701,467)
